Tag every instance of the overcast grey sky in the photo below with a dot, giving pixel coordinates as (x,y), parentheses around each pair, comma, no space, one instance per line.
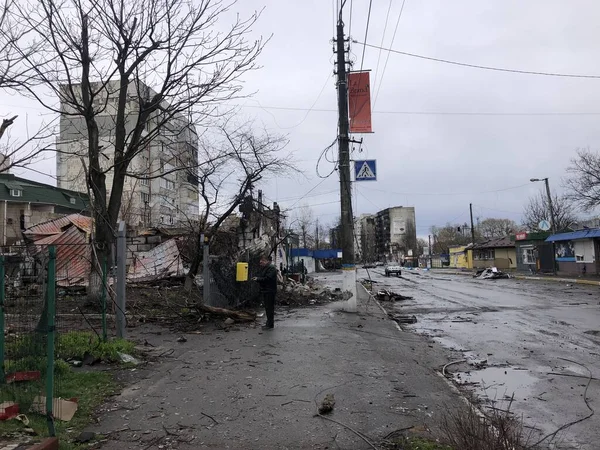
(438,163)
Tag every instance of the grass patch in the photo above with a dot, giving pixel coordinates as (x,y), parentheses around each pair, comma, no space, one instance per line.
(76,344)
(90,387)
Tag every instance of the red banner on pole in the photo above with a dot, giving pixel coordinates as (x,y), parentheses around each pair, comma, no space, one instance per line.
(359,102)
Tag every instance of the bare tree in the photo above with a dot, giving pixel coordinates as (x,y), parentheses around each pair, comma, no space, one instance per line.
(447,236)
(147,63)
(305,225)
(495,228)
(236,163)
(538,209)
(584,183)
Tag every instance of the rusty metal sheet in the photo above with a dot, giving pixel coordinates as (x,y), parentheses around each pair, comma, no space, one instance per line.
(163,261)
(57,226)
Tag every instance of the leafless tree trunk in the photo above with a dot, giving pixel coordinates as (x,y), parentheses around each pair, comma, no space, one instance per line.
(305,223)
(144,64)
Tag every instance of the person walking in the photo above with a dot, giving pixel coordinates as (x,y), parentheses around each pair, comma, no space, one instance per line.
(267,280)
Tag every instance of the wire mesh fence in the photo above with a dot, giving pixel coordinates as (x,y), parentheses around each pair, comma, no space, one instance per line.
(46,314)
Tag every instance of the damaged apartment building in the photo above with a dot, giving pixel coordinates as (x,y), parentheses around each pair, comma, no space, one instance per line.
(164,188)
(388,235)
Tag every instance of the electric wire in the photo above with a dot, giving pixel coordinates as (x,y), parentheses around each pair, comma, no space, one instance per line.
(450,193)
(388,54)
(387,16)
(437,113)
(477,66)
(323,153)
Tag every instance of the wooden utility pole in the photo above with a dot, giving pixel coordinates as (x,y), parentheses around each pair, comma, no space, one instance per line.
(347,219)
(317,235)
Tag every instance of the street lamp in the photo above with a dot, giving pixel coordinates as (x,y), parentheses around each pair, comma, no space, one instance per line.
(552,218)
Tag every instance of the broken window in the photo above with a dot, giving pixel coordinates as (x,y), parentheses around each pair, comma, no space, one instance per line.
(529,255)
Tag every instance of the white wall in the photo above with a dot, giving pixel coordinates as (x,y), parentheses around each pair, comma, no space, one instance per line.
(309,263)
(584,251)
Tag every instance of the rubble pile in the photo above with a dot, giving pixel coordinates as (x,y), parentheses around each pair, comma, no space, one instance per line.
(491,273)
(292,293)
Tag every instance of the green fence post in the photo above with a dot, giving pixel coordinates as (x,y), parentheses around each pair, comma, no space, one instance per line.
(104,283)
(51,298)
(2,296)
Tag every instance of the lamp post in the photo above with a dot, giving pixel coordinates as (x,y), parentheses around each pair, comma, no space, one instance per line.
(552,217)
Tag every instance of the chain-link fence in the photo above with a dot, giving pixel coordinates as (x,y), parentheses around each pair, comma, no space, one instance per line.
(45,306)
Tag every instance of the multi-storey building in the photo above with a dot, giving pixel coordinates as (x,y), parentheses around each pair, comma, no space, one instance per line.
(163,187)
(395,231)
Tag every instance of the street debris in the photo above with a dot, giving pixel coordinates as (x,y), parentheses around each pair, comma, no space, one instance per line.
(181,339)
(128,359)
(403,319)
(239,316)
(491,273)
(61,409)
(327,404)
(389,296)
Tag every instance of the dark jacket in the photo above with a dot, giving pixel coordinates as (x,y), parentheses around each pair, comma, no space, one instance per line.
(267,278)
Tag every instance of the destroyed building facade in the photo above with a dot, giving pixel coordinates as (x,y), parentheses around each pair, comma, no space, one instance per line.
(163,188)
(25,203)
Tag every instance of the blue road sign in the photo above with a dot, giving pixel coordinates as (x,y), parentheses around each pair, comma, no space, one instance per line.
(365,170)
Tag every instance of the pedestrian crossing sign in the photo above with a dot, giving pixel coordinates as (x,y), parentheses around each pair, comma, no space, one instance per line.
(365,170)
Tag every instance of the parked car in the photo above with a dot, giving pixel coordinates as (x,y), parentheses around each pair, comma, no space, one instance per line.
(379,264)
(393,268)
(368,266)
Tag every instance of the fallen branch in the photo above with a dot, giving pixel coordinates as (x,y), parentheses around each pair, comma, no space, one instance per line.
(358,433)
(210,417)
(241,316)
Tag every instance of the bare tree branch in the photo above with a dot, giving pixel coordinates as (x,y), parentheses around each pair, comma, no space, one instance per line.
(538,209)
(584,183)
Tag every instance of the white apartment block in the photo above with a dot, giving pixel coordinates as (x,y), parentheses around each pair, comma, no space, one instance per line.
(164,190)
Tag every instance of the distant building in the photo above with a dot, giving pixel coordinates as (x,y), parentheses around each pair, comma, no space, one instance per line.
(25,203)
(395,233)
(164,188)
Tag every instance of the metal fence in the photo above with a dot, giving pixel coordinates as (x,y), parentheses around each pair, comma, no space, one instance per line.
(43,307)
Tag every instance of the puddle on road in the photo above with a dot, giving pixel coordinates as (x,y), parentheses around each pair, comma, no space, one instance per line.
(498,383)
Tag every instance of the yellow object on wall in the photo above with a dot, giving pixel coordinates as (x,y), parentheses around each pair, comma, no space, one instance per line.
(241,273)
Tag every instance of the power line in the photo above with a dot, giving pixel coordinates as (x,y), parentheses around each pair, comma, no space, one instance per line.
(435,113)
(387,16)
(450,193)
(388,55)
(362,59)
(316,186)
(476,66)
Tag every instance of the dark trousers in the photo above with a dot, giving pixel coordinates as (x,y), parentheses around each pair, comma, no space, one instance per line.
(269,301)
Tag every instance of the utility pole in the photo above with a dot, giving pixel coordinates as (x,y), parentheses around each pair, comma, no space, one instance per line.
(551,206)
(429,251)
(472,226)
(317,235)
(347,218)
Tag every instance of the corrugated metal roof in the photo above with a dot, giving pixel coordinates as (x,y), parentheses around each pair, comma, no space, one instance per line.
(162,261)
(73,258)
(581,234)
(57,226)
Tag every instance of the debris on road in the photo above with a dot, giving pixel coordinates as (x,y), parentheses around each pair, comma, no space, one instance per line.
(403,319)
(327,404)
(389,296)
(239,316)
(491,273)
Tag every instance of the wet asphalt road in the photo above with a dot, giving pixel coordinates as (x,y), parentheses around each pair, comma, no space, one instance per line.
(540,341)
